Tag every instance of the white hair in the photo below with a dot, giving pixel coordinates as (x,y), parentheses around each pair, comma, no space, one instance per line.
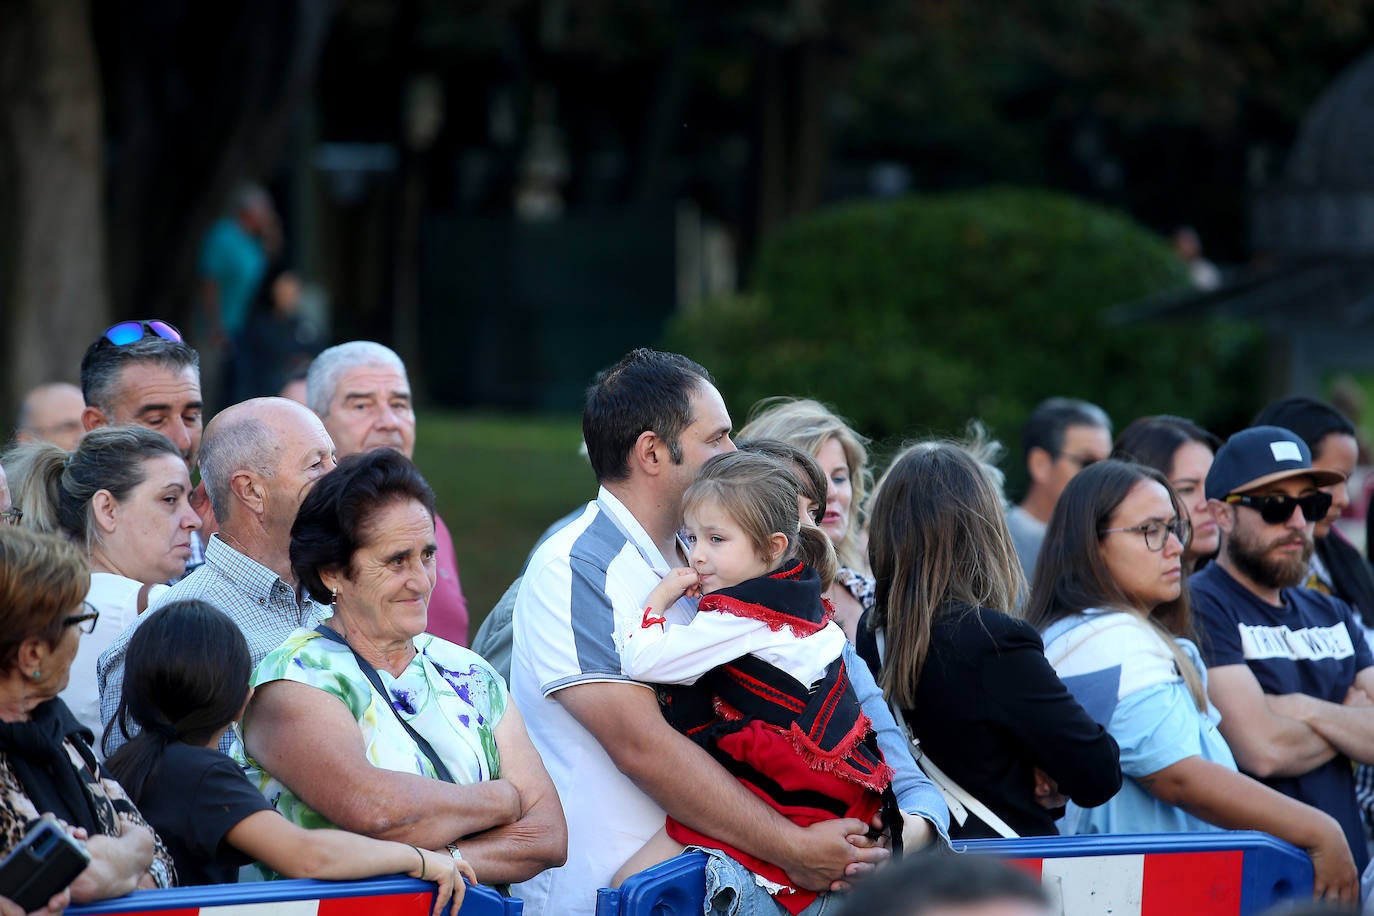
(322,380)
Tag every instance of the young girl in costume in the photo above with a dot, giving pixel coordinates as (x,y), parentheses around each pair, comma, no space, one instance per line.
(773,699)
(185,683)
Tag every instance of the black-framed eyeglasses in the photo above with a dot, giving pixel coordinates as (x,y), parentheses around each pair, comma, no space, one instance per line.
(1156,533)
(86,621)
(11,516)
(1277,509)
(126,332)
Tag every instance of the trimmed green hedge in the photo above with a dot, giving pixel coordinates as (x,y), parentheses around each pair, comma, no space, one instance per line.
(920,313)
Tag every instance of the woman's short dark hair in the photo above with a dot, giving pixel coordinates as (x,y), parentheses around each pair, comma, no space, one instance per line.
(185,679)
(1153,441)
(331,522)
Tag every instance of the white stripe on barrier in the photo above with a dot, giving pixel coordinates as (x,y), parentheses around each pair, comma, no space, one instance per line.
(1095,884)
(271,908)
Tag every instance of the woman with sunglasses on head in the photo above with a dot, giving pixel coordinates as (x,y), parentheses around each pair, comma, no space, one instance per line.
(1108,597)
(122,495)
(46,764)
(1183,451)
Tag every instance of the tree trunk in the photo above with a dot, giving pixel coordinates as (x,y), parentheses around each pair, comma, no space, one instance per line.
(55,289)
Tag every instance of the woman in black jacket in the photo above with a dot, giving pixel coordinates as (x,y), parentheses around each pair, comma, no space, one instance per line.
(973,682)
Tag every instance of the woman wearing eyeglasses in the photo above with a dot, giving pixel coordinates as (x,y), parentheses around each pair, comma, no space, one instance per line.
(123,496)
(1108,597)
(46,766)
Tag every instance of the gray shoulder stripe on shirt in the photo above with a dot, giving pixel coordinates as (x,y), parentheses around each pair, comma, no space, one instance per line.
(592,614)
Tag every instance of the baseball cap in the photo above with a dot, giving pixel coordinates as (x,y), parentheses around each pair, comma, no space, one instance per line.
(1262,455)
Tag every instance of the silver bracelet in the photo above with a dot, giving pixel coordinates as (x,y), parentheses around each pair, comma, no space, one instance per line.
(453,851)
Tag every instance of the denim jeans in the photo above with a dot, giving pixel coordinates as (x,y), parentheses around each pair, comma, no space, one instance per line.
(732,891)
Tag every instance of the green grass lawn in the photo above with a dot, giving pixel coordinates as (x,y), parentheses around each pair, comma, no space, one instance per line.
(500,481)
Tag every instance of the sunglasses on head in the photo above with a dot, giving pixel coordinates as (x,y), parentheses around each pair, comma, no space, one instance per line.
(1276,510)
(127,332)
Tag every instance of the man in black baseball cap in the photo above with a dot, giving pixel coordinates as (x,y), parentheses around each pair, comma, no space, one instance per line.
(1288,667)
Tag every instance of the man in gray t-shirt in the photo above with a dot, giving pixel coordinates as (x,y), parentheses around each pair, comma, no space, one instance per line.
(1061,437)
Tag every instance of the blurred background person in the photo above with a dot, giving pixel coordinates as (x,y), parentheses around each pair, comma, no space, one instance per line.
(233,262)
(935,883)
(1061,437)
(1109,601)
(51,413)
(123,497)
(970,680)
(843,457)
(1182,451)
(278,343)
(46,762)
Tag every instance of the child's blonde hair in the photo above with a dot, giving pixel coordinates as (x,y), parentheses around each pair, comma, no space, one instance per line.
(760,493)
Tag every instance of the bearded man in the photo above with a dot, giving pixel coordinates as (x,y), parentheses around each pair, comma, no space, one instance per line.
(1288,667)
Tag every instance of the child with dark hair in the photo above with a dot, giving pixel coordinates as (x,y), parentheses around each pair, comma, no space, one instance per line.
(185,683)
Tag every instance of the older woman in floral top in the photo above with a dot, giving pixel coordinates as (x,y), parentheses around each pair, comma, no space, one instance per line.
(370,724)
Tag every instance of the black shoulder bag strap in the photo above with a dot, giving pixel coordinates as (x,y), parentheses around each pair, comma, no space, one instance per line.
(419,739)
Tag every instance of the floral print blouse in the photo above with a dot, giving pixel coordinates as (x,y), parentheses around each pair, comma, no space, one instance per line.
(447,694)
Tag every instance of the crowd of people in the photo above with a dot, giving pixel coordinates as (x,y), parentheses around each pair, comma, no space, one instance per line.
(238,647)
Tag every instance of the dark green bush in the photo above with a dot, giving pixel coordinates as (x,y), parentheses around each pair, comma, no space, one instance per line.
(918,314)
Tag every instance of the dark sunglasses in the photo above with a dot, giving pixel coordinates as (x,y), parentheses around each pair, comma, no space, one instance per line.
(1276,510)
(126,332)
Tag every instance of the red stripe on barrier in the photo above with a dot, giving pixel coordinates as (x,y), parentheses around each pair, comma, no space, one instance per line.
(1032,867)
(415,904)
(1198,882)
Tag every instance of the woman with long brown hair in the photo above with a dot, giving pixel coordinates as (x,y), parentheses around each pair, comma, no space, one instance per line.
(971,681)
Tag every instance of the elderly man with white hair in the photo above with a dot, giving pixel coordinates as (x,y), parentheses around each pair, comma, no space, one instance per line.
(361,392)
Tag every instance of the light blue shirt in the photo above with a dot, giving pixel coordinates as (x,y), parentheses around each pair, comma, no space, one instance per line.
(1122,672)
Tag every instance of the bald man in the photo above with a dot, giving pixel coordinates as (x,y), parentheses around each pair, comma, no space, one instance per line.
(247,572)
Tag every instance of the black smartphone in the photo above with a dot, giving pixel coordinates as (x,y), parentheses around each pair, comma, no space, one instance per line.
(43,864)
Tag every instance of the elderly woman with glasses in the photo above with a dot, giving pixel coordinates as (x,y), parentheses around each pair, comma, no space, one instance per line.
(123,496)
(1108,597)
(46,763)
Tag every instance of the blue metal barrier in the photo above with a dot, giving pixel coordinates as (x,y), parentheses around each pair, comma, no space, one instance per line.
(673,888)
(1238,872)
(1226,873)
(398,896)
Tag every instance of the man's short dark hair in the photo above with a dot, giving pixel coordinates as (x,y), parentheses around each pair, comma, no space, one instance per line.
(104,362)
(1045,427)
(646,390)
(934,878)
